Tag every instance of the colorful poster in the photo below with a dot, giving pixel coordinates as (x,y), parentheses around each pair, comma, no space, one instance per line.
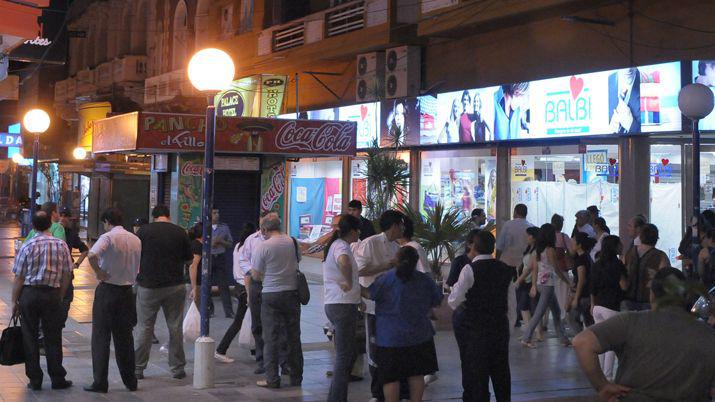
(239,99)
(458,117)
(191,169)
(592,166)
(305,215)
(522,168)
(704,73)
(490,189)
(400,122)
(87,114)
(367,117)
(273,188)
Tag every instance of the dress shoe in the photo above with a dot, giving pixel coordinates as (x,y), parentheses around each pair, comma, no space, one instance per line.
(92,388)
(180,375)
(34,387)
(132,388)
(296,382)
(266,384)
(260,370)
(62,385)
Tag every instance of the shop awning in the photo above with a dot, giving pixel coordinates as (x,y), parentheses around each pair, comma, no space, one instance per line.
(147,132)
(17,19)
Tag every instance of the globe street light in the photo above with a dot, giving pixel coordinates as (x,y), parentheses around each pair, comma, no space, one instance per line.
(210,71)
(695,102)
(79,153)
(36,121)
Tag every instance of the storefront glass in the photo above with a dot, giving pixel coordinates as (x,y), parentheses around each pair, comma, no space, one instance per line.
(666,195)
(565,179)
(358,178)
(707,176)
(460,179)
(315,196)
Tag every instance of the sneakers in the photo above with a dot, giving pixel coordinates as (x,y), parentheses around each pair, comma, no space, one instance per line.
(430,378)
(223,358)
(266,384)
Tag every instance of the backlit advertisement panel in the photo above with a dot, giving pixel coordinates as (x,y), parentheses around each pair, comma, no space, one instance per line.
(704,73)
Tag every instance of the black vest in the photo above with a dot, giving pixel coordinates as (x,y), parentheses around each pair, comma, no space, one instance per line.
(486,303)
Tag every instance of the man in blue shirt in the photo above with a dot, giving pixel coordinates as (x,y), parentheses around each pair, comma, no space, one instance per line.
(221,242)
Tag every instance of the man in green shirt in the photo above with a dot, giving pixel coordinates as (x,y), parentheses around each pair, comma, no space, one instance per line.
(57,230)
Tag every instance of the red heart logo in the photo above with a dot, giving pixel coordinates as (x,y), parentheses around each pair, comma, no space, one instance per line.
(576,85)
(523,162)
(363,111)
(612,161)
(665,162)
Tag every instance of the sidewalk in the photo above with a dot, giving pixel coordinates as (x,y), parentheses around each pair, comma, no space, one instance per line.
(548,373)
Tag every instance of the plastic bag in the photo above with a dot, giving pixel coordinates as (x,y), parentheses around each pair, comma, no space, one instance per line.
(245,336)
(192,324)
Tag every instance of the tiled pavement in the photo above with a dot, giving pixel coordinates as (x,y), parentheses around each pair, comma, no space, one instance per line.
(548,373)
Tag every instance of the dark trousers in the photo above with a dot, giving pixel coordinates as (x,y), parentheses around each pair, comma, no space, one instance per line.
(344,319)
(235,327)
(280,312)
(375,383)
(485,355)
(42,306)
(114,316)
(254,299)
(67,302)
(220,278)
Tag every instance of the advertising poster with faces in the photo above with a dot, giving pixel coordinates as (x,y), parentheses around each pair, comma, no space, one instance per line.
(704,73)
(367,117)
(458,117)
(400,122)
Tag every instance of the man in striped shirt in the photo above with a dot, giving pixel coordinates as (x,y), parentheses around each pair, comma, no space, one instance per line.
(42,274)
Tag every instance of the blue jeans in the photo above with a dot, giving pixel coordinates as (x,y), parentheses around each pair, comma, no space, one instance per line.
(547,299)
(344,319)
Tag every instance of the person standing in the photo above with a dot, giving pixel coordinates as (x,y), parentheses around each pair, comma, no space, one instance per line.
(404,337)
(341,298)
(511,240)
(406,240)
(482,298)
(221,241)
(633,230)
(367,229)
(374,256)
(642,263)
(525,303)
(275,264)
(165,250)
(73,241)
(463,260)
(115,259)
(42,274)
(583,224)
(56,229)
(602,230)
(579,308)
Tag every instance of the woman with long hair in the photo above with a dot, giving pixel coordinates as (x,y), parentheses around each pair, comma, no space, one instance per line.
(527,304)
(602,230)
(341,298)
(405,346)
(608,284)
(544,275)
(406,240)
(450,131)
(580,304)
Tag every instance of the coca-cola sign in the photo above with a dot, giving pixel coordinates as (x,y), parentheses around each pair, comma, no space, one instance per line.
(275,190)
(190,168)
(330,137)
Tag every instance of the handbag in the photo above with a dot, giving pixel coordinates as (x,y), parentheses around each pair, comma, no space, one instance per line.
(303,289)
(12,350)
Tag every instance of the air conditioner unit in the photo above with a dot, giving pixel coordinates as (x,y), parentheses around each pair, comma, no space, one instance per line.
(369,75)
(402,72)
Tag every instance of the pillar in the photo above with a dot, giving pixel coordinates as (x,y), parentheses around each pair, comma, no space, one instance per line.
(415,167)
(634,181)
(504,206)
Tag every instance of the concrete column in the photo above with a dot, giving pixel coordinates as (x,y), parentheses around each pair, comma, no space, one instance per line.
(346,183)
(686,180)
(504,206)
(634,181)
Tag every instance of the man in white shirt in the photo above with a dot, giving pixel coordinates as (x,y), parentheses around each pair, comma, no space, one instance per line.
(374,256)
(484,301)
(511,239)
(115,259)
(583,223)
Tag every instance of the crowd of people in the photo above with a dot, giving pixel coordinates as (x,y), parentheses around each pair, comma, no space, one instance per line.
(379,294)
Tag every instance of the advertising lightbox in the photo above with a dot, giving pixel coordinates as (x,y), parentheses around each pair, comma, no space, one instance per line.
(704,73)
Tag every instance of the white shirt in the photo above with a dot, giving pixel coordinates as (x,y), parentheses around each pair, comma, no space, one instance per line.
(466,281)
(423,262)
(242,256)
(119,253)
(333,277)
(375,250)
(597,247)
(588,229)
(511,241)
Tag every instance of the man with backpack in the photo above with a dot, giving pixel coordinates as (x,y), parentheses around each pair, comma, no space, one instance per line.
(642,262)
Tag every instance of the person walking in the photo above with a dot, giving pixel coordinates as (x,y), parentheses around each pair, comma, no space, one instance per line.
(583,224)
(404,334)
(115,259)
(481,300)
(544,275)
(73,241)
(642,263)
(165,250)
(579,308)
(608,283)
(511,239)
(367,229)
(42,271)
(341,298)
(374,256)
(56,229)
(275,264)
(239,276)
(525,303)
(602,230)
(221,241)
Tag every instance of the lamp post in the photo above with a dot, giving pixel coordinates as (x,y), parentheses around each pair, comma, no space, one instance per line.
(36,121)
(210,70)
(695,102)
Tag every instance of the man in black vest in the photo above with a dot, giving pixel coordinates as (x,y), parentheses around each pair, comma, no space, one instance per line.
(482,300)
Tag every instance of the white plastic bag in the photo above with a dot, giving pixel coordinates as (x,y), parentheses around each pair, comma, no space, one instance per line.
(192,324)
(245,337)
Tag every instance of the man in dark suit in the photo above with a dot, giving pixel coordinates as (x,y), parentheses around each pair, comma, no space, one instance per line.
(367,229)
(624,101)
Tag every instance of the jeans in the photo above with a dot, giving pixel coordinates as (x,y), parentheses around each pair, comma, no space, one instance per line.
(280,311)
(220,278)
(42,305)
(344,319)
(607,359)
(254,299)
(547,299)
(235,327)
(171,301)
(113,316)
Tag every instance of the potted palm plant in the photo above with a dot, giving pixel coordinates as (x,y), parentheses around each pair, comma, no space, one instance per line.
(387,180)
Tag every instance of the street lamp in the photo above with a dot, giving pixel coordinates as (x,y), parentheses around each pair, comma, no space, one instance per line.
(79,153)
(36,121)
(695,102)
(210,71)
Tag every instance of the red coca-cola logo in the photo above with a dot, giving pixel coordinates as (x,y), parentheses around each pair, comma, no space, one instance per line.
(192,169)
(275,191)
(331,137)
